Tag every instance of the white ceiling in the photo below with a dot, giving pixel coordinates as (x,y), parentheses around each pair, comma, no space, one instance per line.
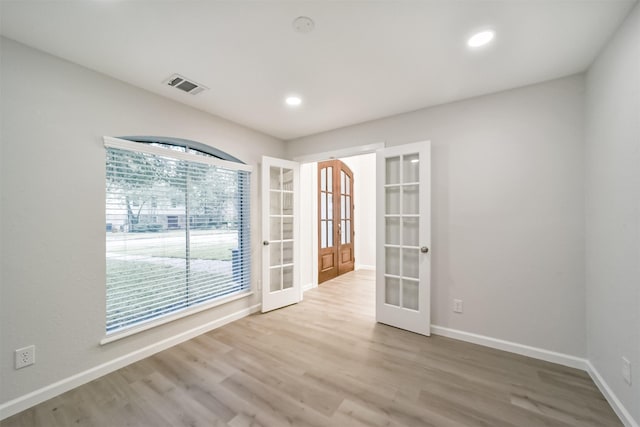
(363,61)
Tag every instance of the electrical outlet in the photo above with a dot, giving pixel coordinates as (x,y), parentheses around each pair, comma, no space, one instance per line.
(25,356)
(626,370)
(457,306)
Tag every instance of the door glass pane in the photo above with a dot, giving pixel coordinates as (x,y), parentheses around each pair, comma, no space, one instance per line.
(329,234)
(342,232)
(274,180)
(287,277)
(342,183)
(392,202)
(330,206)
(330,178)
(275,228)
(276,279)
(275,202)
(410,231)
(392,231)
(287,179)
(348,233)
(393,170)
(392,291)
(323,234)
(343,207)
(274,253)
(287,253)
(410,294)
(323,205)
(410,199)
(410,168)
(287,203)
(287,228)
(348,184)
(392,261)
(410,263)
(323,179)
(347,208)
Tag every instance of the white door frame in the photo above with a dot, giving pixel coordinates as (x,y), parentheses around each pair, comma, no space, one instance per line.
(318,157)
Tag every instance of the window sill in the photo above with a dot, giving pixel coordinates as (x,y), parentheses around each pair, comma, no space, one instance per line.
(118,335)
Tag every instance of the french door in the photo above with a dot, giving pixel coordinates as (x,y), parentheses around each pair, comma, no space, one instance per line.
(335,220)
(403,234)
(280,218)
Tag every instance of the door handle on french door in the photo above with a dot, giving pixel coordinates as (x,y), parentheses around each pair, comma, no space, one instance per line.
(265,242)
(424,249)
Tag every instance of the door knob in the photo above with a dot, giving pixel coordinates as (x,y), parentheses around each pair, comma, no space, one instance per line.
(265,243)
(424,249)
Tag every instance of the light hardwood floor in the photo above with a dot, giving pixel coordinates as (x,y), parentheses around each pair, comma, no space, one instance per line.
(325,362)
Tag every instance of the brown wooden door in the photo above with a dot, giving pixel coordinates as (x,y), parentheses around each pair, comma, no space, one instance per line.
(335,220)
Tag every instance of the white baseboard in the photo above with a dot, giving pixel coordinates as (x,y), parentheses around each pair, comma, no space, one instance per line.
(28,400)
(525,350)
(307,286)
(365,267)
(613,400)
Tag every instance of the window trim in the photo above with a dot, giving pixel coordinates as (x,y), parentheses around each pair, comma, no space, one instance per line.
(110,142)
(142,144)
(187,143)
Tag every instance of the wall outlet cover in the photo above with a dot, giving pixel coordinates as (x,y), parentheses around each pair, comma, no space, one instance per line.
(25,356)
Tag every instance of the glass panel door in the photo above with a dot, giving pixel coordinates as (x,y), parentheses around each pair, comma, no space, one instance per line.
(402,282)
(280,207)
(335,220)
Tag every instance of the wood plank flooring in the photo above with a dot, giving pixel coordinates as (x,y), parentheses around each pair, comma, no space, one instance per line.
(325,362)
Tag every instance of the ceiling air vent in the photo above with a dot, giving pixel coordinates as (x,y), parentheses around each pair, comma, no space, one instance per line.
(184,84)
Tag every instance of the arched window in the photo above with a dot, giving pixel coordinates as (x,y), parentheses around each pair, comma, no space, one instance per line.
(177,233)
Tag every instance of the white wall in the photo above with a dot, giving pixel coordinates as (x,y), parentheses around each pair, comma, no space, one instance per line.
(508,209)
(364,201)
(613,211)
(54,114)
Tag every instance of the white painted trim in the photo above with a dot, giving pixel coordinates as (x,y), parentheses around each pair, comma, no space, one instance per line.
(365,267)
(613,400)
(525,350)
(28,400)
(314,224)
(336,154)
(308,286)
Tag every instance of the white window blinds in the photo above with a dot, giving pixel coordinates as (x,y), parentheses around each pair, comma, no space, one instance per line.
(177,231)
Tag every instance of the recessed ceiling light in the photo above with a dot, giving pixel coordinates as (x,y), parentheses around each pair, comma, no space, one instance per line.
(293,101)
(480,39)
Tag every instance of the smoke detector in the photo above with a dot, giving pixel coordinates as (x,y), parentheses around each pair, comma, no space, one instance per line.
(303,24)
(184,84)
